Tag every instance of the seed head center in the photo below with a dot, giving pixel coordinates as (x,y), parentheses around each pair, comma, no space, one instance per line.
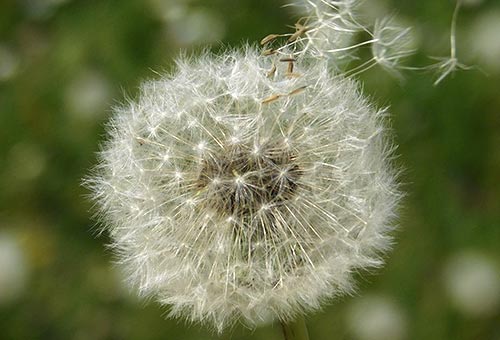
(239,181)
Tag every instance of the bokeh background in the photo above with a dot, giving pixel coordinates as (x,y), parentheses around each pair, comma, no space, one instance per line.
(65,63)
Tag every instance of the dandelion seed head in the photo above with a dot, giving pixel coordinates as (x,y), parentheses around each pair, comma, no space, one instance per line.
(15,269)
(472,282)
(376,317)
(483,40)
(229,207)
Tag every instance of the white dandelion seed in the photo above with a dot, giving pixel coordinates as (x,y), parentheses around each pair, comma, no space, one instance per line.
(450,64)
(334,30)
(232,196)
(392,43)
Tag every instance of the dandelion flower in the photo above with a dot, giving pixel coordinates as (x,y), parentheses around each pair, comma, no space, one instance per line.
(232,194)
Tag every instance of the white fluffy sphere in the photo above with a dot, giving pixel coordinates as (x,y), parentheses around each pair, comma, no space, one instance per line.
(236,192)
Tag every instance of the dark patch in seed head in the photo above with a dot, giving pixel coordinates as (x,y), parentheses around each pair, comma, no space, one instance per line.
(239,181)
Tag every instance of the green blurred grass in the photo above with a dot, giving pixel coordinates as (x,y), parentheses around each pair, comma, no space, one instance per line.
(448,138)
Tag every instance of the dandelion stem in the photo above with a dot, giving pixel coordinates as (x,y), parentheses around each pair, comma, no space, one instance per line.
(295,330)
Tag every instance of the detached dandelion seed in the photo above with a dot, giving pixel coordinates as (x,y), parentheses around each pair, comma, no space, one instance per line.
(448,65)
(233,193)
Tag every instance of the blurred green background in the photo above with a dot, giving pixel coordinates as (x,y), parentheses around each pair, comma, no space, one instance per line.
(64,63)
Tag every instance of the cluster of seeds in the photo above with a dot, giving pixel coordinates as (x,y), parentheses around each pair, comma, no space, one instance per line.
(240,180)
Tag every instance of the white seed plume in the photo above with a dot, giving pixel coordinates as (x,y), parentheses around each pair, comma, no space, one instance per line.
(333,27)
(333,30)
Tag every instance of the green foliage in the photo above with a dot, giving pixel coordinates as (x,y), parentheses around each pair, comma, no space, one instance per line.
(448,138)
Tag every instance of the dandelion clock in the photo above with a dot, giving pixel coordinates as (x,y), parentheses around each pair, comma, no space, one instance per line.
(249,186)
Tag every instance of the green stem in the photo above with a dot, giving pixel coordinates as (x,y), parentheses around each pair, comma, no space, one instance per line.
(295,330)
